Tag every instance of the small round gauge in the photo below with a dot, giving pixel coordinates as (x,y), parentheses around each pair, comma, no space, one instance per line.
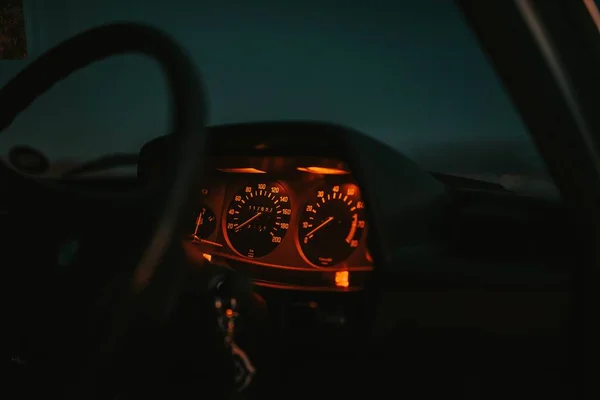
(258,219)
(203,223)
(331,225)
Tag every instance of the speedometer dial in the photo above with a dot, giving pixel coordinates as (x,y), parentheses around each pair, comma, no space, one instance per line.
(331,225)
(258,219)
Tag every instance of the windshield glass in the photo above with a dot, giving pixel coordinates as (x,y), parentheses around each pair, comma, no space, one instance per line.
(410,74)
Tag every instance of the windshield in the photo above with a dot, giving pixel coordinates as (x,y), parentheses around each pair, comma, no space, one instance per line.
(410,74)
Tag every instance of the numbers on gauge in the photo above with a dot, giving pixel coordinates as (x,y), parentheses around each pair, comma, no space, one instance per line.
(331,225)
(258,219)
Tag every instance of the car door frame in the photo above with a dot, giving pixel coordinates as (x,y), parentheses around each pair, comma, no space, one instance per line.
(547,54)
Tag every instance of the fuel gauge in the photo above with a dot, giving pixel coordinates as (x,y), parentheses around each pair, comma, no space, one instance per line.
(203,224)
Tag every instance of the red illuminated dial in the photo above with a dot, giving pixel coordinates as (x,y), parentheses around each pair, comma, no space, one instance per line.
(331,225)
(257,219)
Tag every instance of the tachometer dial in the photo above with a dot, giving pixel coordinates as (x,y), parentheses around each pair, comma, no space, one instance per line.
(203,223)
(258,219)
(331,225)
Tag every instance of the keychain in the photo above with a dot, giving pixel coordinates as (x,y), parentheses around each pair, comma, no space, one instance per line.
(227,314)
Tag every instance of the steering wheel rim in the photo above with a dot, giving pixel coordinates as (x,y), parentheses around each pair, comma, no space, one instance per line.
(189,111)
(185,166)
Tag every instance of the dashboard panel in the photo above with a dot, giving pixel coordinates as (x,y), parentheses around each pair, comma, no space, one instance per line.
(288,222)
(304,158)
(414,221)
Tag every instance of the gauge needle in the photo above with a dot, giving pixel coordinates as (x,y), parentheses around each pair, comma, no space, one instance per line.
(243,224)
(322,224)
(199,222)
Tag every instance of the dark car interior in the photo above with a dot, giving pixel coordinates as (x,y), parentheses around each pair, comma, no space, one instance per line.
(241,262)
(481,271)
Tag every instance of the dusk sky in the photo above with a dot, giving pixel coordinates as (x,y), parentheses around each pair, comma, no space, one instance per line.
(408,73)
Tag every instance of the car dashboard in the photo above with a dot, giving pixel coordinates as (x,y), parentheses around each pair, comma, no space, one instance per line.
(359,267)
(290,214)
(288,222)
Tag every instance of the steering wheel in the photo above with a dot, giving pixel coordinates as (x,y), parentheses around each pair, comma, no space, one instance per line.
(134,234)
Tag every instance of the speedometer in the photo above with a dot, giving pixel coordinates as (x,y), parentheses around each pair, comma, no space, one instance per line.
(257,219)
(331,225)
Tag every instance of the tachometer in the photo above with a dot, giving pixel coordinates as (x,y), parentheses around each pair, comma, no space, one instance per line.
(331,225)
(258,219)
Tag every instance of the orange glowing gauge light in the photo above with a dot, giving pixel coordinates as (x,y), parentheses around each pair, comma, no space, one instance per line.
(323,170)
(242,170)
(331,225)
(342,279)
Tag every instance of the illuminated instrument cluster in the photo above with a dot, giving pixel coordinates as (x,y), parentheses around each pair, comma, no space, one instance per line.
(310,221)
